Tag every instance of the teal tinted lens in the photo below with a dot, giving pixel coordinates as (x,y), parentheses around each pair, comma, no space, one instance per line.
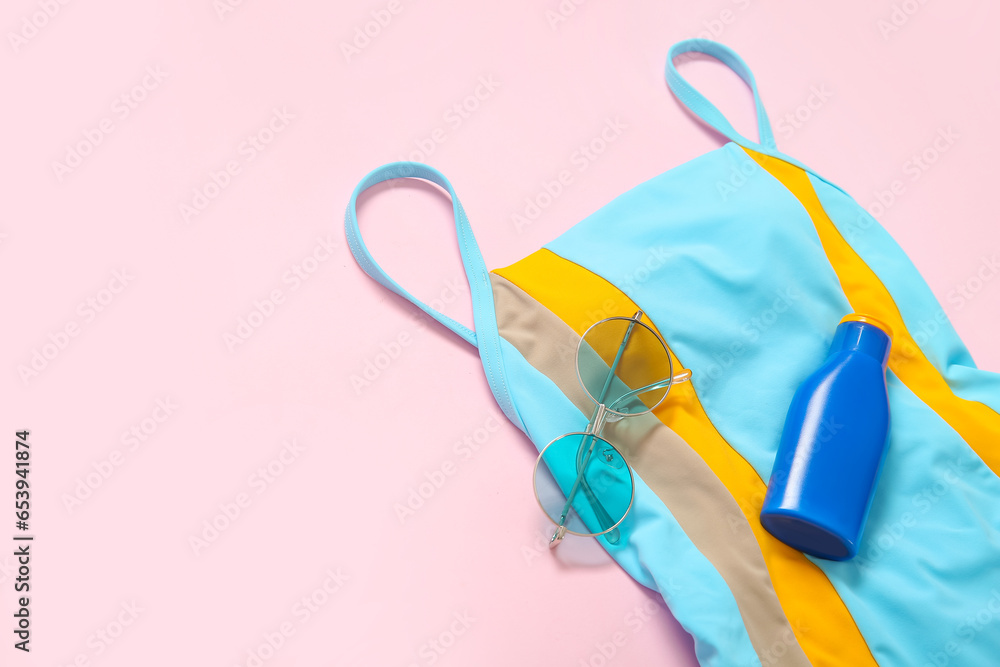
(583,483)
(624,365)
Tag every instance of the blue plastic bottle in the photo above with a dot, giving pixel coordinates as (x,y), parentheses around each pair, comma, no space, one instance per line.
(834,442)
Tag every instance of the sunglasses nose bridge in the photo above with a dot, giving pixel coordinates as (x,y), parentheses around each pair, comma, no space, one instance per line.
(596,424)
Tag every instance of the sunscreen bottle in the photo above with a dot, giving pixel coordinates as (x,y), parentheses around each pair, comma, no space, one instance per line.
(834,441)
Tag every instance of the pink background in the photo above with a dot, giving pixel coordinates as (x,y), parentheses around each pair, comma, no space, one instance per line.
(465,570)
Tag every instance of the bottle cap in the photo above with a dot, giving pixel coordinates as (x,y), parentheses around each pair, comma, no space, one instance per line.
(861,317)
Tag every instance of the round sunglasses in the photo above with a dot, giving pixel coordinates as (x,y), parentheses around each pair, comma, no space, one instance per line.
(583,482)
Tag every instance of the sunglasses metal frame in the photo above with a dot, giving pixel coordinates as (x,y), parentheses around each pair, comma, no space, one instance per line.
(589,438)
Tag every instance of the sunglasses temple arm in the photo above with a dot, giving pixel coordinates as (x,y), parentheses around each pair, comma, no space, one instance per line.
(603,517)
(602,514)
(572,492)
(683,376)
(618,357)
(580,483)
